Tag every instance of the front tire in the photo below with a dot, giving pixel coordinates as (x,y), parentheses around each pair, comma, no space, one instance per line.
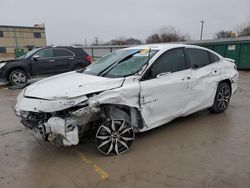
(222,98)
(17,77)
(114,137)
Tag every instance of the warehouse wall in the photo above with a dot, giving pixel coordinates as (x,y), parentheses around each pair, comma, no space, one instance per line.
(12,38)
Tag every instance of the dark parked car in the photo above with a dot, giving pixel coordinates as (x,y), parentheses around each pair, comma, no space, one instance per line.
(43,61)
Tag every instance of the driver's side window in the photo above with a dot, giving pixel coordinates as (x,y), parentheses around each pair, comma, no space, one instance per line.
(46,53)
(170,61)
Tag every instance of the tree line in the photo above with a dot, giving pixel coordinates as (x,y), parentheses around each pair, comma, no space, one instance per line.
(242,30)
(171,34)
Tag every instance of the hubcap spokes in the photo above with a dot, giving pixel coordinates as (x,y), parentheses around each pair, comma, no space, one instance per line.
(18,78)
(223,98)
(114,137)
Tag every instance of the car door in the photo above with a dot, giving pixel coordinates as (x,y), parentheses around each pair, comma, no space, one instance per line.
(165,91)
(63,59)
(42,62)
(203,80)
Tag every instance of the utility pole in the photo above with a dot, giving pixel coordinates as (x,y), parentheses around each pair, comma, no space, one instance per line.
(96,41)
(202,22)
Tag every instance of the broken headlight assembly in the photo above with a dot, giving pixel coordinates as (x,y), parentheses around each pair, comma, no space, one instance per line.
(24,114)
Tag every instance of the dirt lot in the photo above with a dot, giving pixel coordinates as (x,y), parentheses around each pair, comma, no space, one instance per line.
(201,150)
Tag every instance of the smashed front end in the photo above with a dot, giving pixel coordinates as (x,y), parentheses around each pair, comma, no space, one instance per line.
(60,121)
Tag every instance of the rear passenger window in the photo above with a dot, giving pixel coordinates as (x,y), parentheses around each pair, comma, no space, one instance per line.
(198,58)
(62,53)
(213,57)
(170,61)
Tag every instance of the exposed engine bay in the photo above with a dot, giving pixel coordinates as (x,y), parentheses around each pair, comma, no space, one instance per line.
(69,127)
(63,126)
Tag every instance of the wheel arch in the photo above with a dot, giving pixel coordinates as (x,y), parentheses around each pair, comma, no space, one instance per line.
(130,113)
(215,107)
(228,81)
(17,68)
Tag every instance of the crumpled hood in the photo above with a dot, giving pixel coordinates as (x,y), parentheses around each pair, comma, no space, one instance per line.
(70,85)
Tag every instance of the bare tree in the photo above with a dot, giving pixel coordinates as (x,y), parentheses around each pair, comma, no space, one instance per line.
(133,41)
(97,42)
(166,34)
(244,29)
(119,41)
(225,34)
(124,41)
(154,38)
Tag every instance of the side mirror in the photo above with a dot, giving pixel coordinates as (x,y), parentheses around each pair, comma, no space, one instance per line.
(35,57)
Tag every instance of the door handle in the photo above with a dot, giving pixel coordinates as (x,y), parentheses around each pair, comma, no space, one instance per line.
(71,58)
(51,60)
(162,74)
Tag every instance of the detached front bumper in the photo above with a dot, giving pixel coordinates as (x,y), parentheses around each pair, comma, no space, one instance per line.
(55,127)
(64,128)
(63,119)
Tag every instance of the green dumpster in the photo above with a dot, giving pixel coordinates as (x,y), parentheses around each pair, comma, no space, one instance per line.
(244,61)
(19,52)
(237,48)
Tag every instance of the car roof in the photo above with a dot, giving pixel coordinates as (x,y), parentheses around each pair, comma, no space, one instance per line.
(164,46)
(168,46)
(67,47)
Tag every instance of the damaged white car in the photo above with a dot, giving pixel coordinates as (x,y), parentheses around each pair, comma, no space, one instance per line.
(127,91)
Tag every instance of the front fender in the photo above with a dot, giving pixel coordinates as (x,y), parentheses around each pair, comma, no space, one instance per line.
(128,95)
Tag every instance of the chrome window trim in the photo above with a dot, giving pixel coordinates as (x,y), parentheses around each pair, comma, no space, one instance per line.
(55,57)
(73,54)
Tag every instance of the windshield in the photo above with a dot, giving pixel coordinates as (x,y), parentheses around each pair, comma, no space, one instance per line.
(120,63)
(21,57)
(28,54)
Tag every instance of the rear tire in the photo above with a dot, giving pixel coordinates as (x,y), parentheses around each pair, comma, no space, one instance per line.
(222,98)
(17,77)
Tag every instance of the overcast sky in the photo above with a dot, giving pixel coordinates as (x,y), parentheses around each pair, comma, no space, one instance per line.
(73,21)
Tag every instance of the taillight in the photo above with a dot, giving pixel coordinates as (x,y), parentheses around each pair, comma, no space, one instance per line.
(88,58)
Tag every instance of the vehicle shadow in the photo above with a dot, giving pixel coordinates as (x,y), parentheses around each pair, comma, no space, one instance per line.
(157,135)
(20,86)
(4,85)
(13,87)
(176,123)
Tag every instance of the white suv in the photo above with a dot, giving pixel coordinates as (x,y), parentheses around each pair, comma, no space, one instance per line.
(127,91)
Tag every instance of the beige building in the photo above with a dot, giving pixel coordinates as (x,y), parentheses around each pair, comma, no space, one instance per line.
(15,40)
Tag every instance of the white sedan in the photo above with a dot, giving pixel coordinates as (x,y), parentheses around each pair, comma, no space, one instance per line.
(127,91)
